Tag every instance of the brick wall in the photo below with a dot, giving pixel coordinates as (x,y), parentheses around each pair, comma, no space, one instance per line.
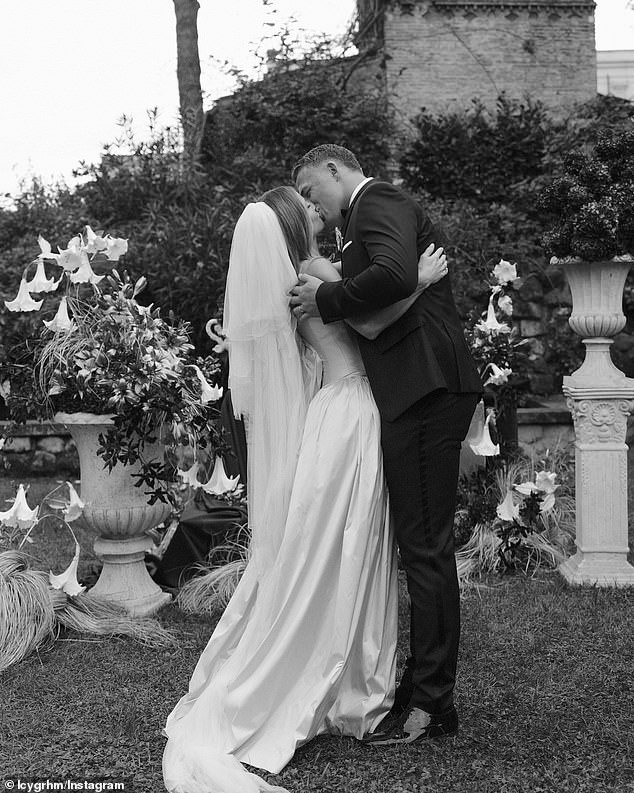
(441,55)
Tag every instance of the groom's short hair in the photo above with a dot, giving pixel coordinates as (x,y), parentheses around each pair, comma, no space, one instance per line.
(324,153)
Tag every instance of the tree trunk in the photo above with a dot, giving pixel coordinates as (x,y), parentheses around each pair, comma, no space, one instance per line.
(188,73)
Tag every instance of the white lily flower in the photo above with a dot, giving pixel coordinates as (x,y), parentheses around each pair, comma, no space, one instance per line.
(507,510)
(40,283)
(75,505)
(498,376)
(189,477)
(94,243)
(220,483)
(484,446)
(5,389)
(548,502)
(23,300)
(61,321)
(208,393)
(491,323)
(117,246)
(85,275)
(67,581)
(505,272)
(526,488)
(505,304)
(545,481)
(20,515)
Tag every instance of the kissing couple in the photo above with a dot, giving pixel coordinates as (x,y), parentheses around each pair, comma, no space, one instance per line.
(356,399)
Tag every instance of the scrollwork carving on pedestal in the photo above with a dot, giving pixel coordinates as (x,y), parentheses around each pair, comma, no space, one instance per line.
(600,421)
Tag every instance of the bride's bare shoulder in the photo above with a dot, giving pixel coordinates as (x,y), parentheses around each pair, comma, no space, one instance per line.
(321,268)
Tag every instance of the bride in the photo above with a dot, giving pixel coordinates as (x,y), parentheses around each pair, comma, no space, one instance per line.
(307,643)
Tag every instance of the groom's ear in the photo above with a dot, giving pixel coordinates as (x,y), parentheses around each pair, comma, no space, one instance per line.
(334,170)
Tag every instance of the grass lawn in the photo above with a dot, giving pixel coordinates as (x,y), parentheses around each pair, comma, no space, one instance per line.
(544,694)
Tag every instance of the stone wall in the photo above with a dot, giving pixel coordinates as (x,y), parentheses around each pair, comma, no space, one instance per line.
(39,449)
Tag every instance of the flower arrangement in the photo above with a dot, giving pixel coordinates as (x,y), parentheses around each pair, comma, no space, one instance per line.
(515,520)
(102,352)
(591,203)
(497,349)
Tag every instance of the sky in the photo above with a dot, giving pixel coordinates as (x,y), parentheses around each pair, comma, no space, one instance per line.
(69,69)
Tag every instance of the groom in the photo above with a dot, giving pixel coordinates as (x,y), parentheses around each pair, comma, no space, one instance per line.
(426,387)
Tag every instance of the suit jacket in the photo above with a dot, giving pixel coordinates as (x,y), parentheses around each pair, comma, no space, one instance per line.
(384,233)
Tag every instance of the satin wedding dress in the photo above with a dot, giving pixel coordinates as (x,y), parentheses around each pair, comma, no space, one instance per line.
(307,646)
(307,643)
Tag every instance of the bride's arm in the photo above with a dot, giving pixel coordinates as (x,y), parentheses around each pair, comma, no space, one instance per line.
(432,266)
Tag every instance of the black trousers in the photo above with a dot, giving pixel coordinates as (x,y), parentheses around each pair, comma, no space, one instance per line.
(421,456)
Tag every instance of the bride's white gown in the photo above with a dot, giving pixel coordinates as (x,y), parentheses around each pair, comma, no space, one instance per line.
(308,647)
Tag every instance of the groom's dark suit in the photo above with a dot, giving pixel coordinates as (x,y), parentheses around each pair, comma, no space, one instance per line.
(425,384)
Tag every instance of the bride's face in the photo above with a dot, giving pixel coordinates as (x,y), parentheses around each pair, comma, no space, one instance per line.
(316,223)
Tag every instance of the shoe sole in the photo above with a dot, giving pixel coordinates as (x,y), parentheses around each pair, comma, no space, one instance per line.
(411,738)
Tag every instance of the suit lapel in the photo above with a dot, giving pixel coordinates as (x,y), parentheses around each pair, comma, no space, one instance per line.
(351,207)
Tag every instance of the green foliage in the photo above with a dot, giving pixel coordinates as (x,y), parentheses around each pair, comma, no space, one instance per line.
(590,204)
(254,137)
(477,155)
(120,359)
(180,221)
(473,174)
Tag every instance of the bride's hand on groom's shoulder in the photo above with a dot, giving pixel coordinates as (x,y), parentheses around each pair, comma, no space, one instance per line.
(432,266)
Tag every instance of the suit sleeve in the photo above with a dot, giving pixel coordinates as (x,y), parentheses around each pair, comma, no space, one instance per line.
(386,226)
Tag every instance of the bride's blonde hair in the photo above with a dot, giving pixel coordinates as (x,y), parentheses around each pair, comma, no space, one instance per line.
(293,219)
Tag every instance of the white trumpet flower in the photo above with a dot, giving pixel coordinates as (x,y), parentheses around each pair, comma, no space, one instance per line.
(491,324)
(39,282)
(220,483)
(189,477)
(73,257)
(85,275)
(505,304)
(45,249)
(67,581)
(61,322)
(117,246)
(506,509)
(498,376)
(484,446)
(544,483)
(23,300)
(94,243)
(208,393)
(20,515)
(75,505)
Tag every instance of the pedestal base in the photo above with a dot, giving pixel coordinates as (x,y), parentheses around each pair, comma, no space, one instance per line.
(124,579)
(598,569)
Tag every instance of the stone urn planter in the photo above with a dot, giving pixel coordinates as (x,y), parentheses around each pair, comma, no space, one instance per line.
(119,514)
(600,398)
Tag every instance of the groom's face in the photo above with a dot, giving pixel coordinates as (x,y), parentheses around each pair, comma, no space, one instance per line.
(322,186)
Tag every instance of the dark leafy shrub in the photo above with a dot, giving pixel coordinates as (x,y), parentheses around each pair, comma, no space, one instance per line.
(590,205)
(478,155)
(254,137)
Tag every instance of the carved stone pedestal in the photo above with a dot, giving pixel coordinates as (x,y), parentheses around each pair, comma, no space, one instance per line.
(601,485)
(600,398)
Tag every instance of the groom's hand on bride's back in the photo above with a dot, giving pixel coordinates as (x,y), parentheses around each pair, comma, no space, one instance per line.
(303,300)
